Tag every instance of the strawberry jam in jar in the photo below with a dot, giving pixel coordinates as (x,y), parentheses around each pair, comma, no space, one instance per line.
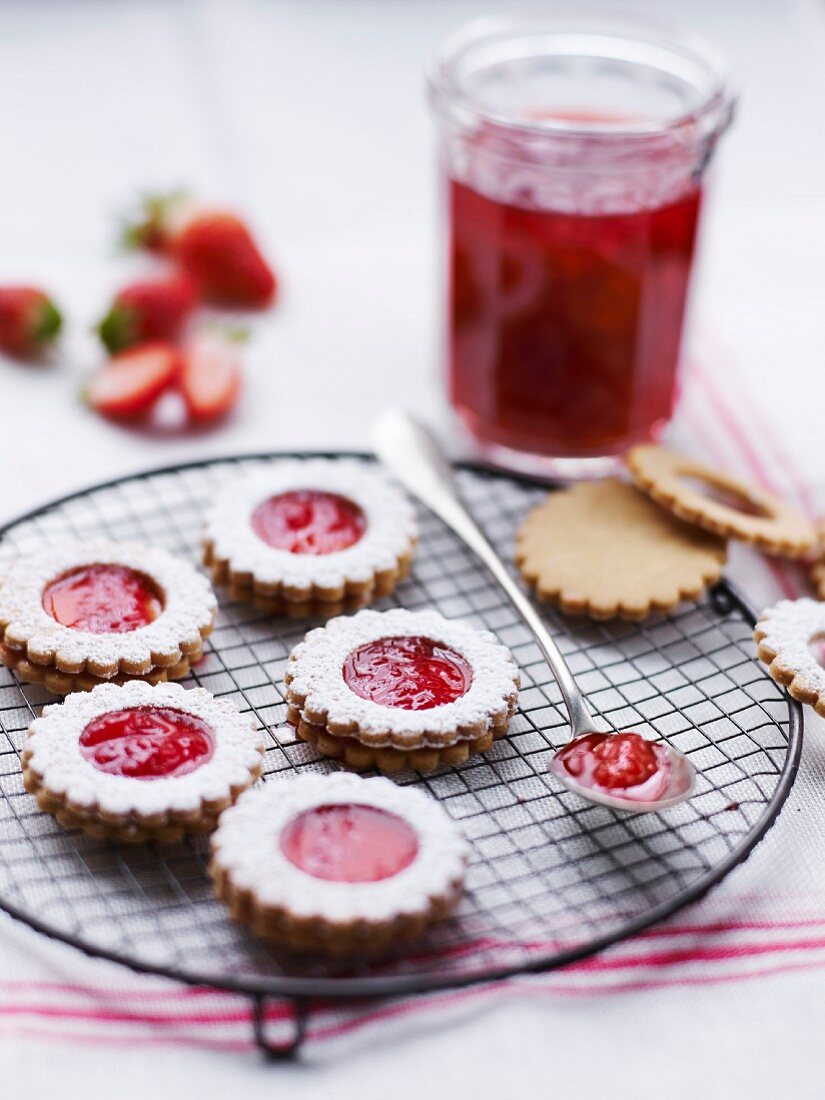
(573,152)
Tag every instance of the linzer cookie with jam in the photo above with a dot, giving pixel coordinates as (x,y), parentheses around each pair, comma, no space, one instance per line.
(790,640)
(140,762)
(400,689)
(315,535)
(97,611)
(337,865)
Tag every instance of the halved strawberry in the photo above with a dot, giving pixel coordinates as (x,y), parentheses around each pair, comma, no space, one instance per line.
(148,310)
(214,246)
(210,377)
(130,383)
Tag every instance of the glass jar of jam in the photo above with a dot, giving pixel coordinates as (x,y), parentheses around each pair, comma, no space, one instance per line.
(574,152)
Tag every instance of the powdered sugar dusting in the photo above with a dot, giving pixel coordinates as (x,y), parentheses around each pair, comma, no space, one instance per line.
(787,629)
(316,672)
(189,607)
(390,533)
(52,752)
(247,846)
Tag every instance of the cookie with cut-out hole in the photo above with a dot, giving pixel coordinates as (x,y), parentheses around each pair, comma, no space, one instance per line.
(721,504)
(140,762)
(790,639)
(310,534)
(337,865)
(400,689)
(818,568)
(98,611)
(603,549)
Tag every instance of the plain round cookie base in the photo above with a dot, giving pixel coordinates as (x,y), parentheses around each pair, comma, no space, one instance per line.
(605,550)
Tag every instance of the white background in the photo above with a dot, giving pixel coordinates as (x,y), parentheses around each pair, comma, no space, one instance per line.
(310,115)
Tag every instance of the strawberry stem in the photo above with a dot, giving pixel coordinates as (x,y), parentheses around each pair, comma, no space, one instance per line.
(49,323)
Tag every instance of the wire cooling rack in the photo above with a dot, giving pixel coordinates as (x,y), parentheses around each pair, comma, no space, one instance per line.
(551,878)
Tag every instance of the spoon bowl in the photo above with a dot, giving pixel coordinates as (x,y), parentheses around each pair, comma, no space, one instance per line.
(679,786)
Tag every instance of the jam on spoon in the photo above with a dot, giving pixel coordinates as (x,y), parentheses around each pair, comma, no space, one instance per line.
(624,765)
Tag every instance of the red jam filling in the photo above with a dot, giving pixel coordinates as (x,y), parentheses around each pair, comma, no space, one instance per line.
(147,743)
(408,673)
(622,764)
(349,843)
(564,326)
(308,521)
(103,599)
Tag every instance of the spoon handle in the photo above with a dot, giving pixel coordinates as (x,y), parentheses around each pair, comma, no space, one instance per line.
(411,453)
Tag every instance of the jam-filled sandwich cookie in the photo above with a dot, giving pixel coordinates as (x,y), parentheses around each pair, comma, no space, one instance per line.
(721,504)
(140,762)
(603,549)
(310,535)
(400,689)
(790,639)
(98,611)
(338,865)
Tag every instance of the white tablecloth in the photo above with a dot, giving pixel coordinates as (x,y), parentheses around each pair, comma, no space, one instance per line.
(310,114)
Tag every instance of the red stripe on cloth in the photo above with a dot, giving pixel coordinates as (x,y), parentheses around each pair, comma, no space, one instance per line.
(278,1012)
(23,1031)
(769,436)
(750,451)
(448,1001)
(521,987)
(779,572)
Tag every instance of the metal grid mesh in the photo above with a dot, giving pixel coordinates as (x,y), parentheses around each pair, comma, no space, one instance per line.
(549,874)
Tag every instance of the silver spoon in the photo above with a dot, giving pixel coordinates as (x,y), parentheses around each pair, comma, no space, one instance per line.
(413,456)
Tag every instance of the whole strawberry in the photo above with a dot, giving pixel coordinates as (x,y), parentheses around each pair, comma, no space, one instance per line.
(150,309)
(29,321)
(213,246)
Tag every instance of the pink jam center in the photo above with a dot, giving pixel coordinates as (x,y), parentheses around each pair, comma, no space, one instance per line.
(624,764)
(410,673)
(349,843)
(103,599)
(308,521)
(147,743)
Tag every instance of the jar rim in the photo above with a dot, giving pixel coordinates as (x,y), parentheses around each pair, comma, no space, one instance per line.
(712,113)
